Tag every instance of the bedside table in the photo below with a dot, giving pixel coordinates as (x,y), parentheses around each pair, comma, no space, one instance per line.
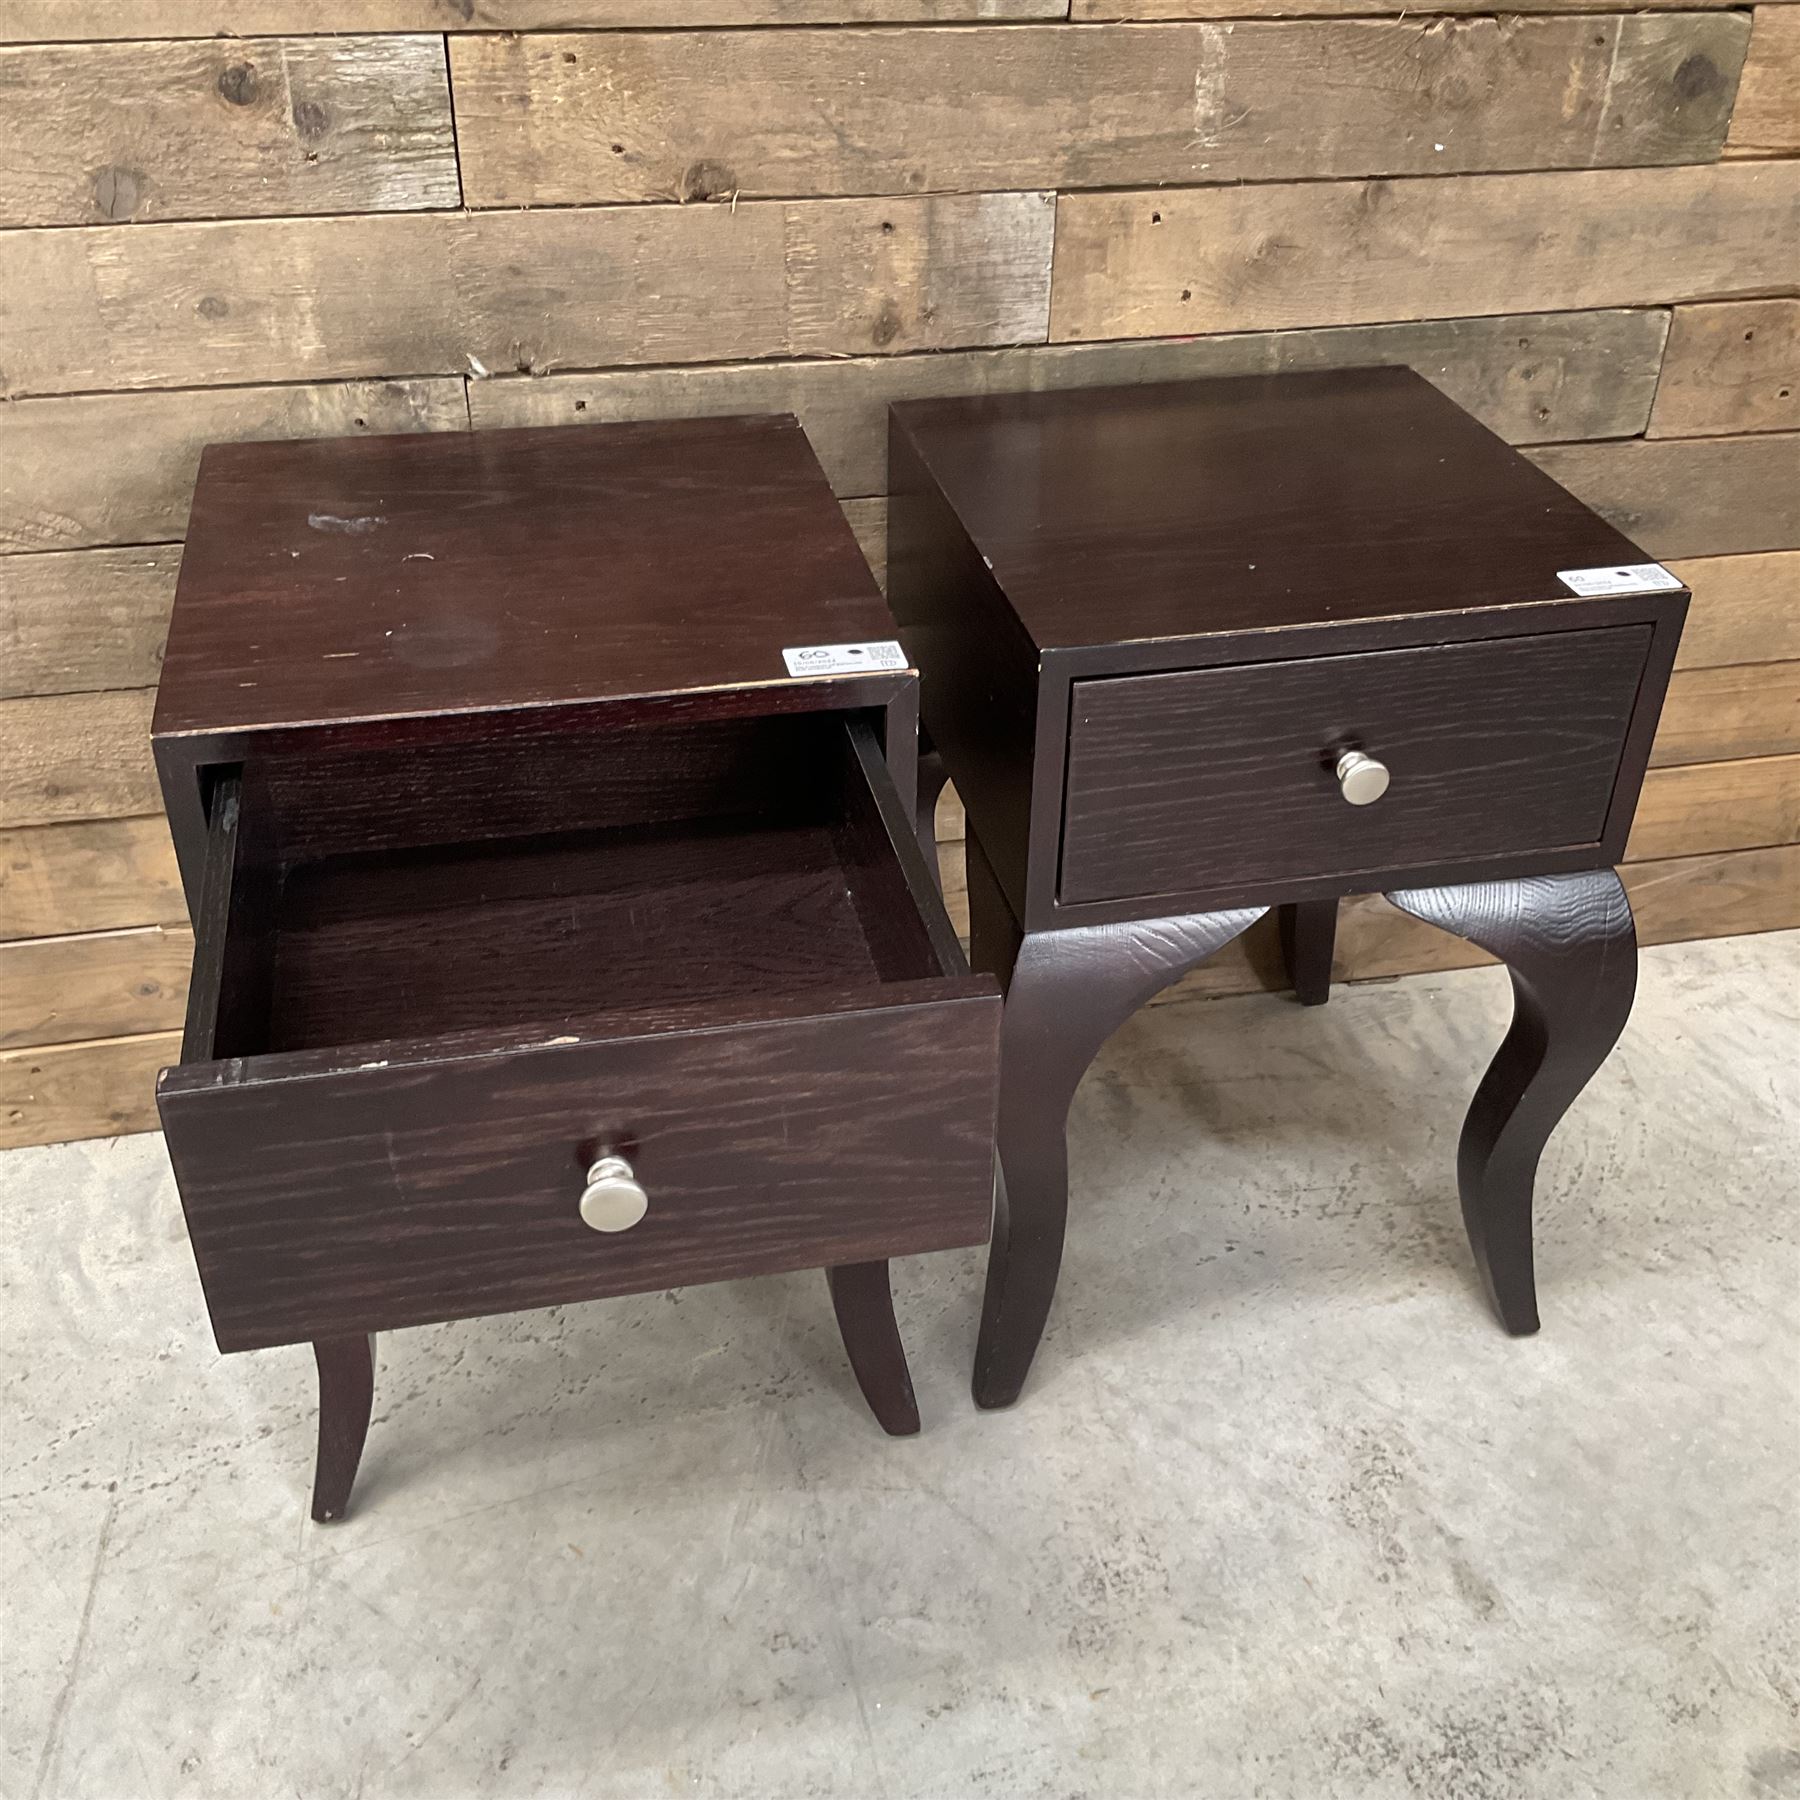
(553,937)
(1193,650)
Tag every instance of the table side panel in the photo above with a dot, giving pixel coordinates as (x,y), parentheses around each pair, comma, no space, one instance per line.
(979,696)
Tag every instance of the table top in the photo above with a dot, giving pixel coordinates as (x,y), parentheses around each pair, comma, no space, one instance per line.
(350,579)
(1248,503)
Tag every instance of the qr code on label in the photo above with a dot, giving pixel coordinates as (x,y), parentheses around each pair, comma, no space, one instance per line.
(843,659)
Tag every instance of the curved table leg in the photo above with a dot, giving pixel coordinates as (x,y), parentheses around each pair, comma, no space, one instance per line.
(1308,938)
(1067,992)
(1569,943)
(864,1304)
(346,1397)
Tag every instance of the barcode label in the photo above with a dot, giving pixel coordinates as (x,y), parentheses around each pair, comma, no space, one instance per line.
(843,659)
(1627,578)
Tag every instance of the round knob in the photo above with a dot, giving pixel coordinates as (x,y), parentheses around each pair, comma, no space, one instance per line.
(612,1199)
(1361,779)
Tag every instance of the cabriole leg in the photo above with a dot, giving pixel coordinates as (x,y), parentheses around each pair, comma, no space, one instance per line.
(346,1397)
(1067,992)
(864,1304)
(1570,945)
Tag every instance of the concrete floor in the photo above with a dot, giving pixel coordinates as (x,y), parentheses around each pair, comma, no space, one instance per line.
(1282,1512)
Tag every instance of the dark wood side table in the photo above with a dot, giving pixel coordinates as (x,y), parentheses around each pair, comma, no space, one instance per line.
(554,937)
(1192,650)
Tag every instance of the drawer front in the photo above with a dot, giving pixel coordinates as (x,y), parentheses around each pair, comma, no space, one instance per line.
(1215,779)
(398,1194)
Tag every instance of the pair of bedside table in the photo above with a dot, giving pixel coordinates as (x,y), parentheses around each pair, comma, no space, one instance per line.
(545,804)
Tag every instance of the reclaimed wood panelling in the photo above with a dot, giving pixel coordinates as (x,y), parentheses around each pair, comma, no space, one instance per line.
(61,990)
(79,1090)
(1137,264)
(26,21)
(1751,709)
(76,756)
(1682,811)
(1251,9)
(119,468)
(1766,119)
(226,222)
(51,1094)
(94,1089)
(78,620)
(1689,496)
(426,293)
(102,133)
(1530,377)
(1730,369)
(868,522)
(1712,715)
(563,119)
(94,875)
(1717,806)
(1745,609)
(1673,900)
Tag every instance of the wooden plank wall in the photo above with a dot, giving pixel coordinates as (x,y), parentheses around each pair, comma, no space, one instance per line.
(292,217)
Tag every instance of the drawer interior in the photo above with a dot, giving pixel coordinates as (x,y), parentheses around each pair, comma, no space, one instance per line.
(678,865)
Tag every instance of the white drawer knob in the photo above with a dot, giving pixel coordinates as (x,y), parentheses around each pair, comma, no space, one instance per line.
(1361,779)
(612,1199)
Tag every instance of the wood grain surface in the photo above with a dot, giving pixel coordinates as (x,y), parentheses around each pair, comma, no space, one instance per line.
(1766,118)
(102,984)
(52,1093)
(1140,515)
(1746,710)
(102,879)
(557,120)
(87,1090)
(1683,810)
(346,1398)
(119,468)
(1320,253)
(1249,9)
(1686,810)
(80,620)
(1570,948)
(1531,377)
(1689,496)
(76,756)
(293,300)
(543,932)
(856,1137)
(1674,899)
(1730,369)
(104,133)
(298,553)
(232,222)
(1745,609)
(1066,993)
(93,875)
(26,20)
(1214,778)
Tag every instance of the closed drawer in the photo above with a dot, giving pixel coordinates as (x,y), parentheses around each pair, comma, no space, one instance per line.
(1214,778)
(401,1062)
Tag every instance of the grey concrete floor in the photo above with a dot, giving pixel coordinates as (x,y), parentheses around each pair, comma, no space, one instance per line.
(1282,1512)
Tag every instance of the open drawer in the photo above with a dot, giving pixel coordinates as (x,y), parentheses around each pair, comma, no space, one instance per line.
(402,1057)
